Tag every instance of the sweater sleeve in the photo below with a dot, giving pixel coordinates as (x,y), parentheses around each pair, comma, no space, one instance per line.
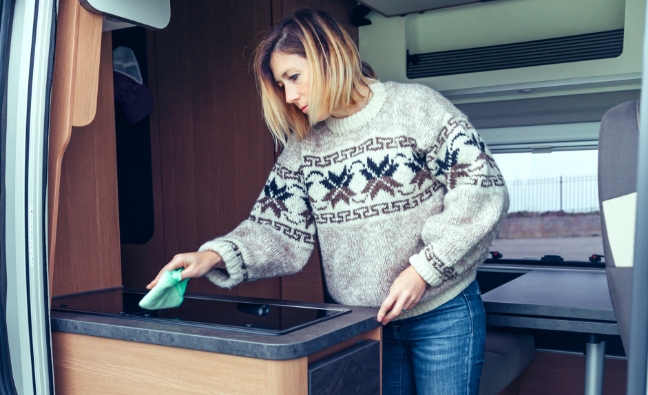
(278,237)
(476,200)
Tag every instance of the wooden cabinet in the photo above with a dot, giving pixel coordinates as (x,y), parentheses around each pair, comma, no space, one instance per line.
(82,185)
(90,364)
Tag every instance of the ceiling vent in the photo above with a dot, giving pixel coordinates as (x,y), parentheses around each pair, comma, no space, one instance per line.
(576,48)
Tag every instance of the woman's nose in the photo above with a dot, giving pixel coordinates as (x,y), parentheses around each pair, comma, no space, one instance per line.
(291,95)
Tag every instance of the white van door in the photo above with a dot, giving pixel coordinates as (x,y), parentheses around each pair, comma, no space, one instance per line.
(26,57)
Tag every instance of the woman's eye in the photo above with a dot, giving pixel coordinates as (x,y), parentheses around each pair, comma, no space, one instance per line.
(293,77)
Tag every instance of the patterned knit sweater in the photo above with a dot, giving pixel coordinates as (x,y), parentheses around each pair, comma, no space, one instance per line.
(404,181)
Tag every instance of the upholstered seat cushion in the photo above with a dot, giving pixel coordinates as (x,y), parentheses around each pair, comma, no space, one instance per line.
(507,355)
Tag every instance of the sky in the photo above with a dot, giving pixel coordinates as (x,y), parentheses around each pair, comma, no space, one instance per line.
(542,165)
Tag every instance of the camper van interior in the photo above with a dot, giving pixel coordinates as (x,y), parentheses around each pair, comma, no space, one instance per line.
(137,173)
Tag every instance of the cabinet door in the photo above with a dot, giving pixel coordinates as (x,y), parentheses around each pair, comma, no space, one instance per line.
(352,371)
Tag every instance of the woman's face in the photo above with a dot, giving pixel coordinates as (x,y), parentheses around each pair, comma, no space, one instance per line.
(292,74)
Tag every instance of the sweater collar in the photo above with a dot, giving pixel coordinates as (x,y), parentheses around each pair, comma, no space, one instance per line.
(361,118)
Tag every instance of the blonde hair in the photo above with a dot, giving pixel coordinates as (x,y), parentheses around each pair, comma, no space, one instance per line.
(335,68)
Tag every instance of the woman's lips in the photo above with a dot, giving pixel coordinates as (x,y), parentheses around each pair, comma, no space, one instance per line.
(304,108)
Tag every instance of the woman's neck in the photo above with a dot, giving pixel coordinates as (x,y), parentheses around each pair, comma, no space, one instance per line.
(365,93)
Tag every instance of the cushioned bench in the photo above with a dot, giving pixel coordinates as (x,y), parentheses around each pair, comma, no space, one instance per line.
(507,355)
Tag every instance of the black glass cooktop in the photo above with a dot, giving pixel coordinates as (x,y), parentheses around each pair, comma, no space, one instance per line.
(272,318)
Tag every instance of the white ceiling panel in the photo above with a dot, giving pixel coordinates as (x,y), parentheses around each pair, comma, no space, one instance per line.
(402,7)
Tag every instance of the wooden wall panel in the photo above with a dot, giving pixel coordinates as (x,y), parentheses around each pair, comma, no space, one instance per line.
(340,9)
(308,285)
(61,109)
(210,147)
(94,365)
(88,253)
(86,83)
(76,29)
(215,150)
(141,262)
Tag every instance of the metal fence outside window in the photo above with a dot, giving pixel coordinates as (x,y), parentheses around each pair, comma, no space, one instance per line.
(576,194)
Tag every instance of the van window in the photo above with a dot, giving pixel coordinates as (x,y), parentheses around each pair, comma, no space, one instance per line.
(554,208)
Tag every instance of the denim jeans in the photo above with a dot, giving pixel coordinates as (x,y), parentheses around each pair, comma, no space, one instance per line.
(440,352)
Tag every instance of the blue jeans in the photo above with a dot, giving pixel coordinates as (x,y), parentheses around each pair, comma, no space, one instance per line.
(440,352)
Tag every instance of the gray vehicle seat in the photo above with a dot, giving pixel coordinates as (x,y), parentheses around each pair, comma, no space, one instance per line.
(617,178)
(507,355)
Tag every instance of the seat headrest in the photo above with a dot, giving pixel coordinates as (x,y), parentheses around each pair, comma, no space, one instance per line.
(618,143)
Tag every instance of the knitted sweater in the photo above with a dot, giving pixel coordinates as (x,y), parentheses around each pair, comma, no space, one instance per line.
(404,181)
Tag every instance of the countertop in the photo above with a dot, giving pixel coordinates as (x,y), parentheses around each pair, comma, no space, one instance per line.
(571,300)
(292,345)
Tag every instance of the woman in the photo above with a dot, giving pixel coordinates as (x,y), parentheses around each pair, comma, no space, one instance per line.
(398,188)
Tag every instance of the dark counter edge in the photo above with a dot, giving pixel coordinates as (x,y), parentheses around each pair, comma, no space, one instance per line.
(292,345)
(548,311)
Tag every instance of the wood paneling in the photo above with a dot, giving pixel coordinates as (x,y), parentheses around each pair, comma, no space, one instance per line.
(211,150)
(215,150)
(88,253)
(287,377)
(564,374)
(70,35)
(61,111)
(141,262)
(340,9)
(86,84)
(307,285)
(94,365)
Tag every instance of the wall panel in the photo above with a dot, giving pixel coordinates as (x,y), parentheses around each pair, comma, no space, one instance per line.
(141,262)
(340,9)
(211,150)
(88,252)
(215,152)
(308,285)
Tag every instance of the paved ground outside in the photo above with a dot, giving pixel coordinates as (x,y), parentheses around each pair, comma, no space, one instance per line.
(570,248)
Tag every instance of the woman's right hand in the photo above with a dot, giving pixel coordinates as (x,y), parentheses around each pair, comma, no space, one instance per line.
(195,264)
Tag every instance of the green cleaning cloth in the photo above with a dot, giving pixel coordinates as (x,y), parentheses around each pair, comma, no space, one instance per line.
(167,293)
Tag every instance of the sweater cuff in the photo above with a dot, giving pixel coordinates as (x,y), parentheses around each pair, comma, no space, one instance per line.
(421,265)
(233,264)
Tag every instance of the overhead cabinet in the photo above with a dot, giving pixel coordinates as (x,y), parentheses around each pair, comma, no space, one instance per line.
(511,49)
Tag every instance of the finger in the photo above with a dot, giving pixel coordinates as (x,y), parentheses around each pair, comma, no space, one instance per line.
(384,308)
(175,263)
(190,271)
(408,302)
(409,305)
(396,311)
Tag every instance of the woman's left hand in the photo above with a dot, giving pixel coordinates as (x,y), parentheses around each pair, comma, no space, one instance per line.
(405,293)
